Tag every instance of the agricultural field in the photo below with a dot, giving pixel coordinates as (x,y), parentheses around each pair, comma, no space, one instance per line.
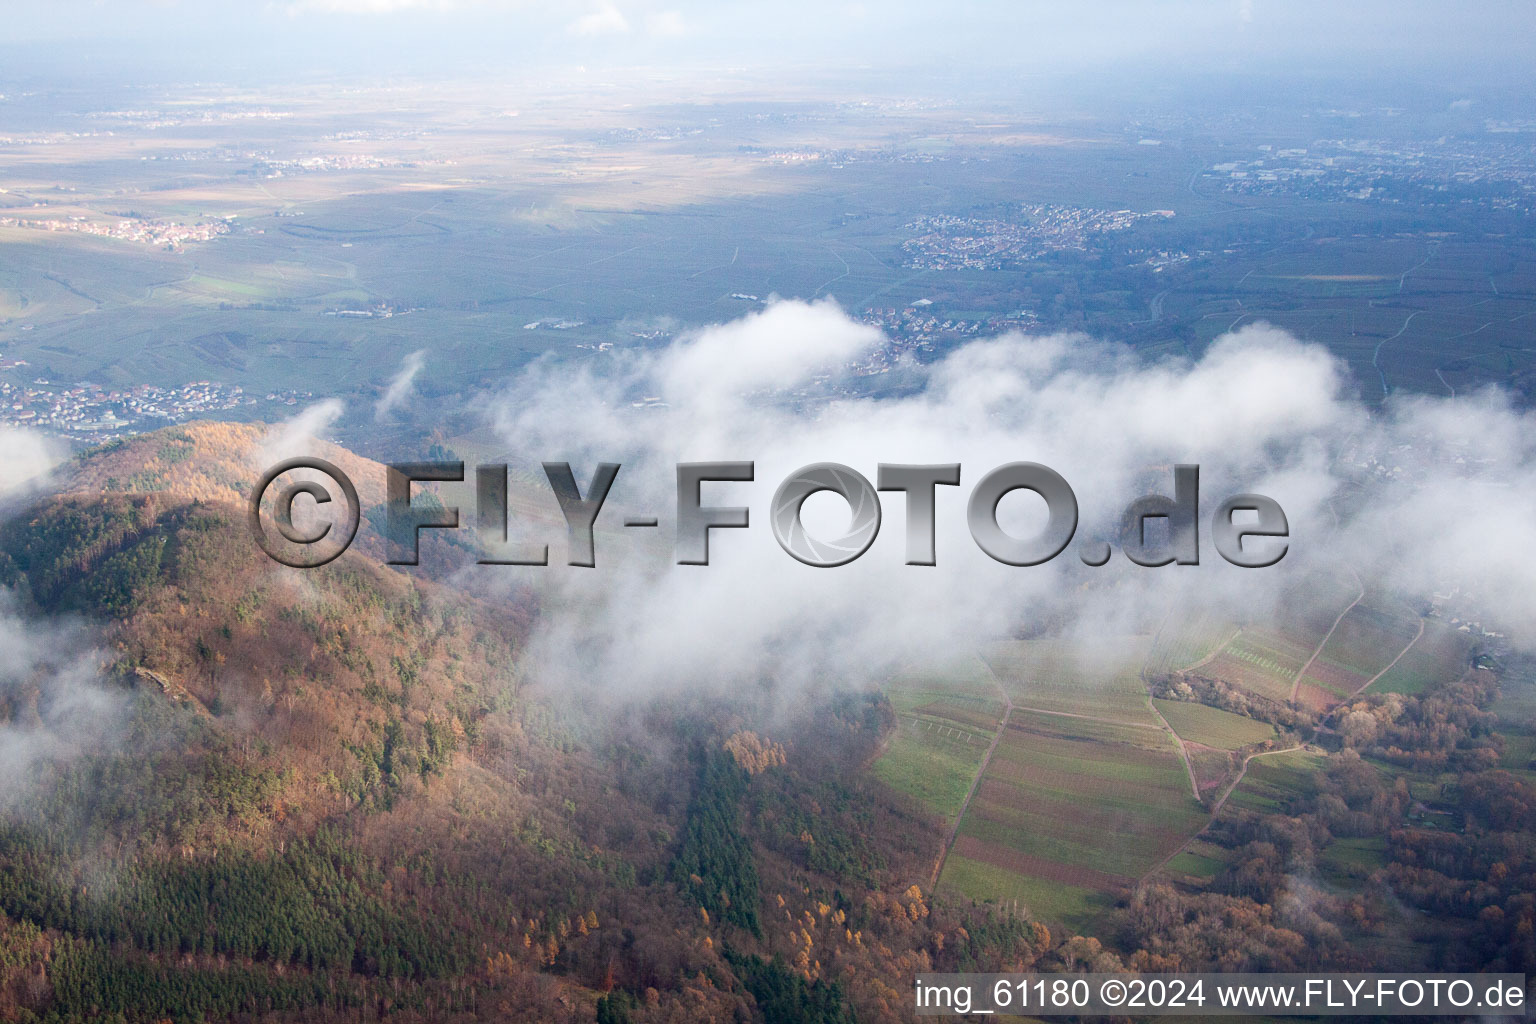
(1212,727)
(1211,768)
(963,693)
(946,720)
(1201,860)
(1367,639)
(1519,755)
(1076,907)
(1310,609)
(1440,656)
(1273,779)
(932,766)
(1516,705)
(1349,861)
(1184,641)
(1266,660)
(1262,661)
(1061,794)
(1386,305)
(1043,675)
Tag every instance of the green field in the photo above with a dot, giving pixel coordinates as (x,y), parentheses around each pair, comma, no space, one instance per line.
(1047,676)
(1519,755)
(1519,750)
(1074,906)
(1273,779)
(1365,642)
(1517,695)
(962,693)
(1265,659)
(1198,723)
(1075,804)
(1180,643)
(1085,791)
(1199,865)
(946,718)
(1262,661)
(1351,860)
(934,772)
(1440,656)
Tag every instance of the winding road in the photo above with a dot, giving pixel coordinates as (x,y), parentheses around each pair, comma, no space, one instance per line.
(1216,808)
(1296,683)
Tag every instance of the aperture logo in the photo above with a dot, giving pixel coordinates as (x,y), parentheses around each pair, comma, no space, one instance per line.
(1261,540)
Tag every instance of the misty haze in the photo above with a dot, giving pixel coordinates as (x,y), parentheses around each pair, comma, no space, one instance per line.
(1293,245)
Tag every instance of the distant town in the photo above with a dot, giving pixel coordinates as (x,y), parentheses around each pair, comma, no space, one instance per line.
(161,233)
(1487,173)
(93,413)
(918,325)
(946,242)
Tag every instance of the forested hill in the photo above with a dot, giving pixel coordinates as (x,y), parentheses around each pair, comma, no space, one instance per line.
(240,791)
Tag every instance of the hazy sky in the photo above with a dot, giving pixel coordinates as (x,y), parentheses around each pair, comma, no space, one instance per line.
(1478,39)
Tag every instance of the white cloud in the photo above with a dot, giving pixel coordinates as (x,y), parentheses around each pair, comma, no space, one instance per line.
(29,460)
(1260,411)
(296,436)
(51,679)
(606,20)
(399,388)
(666,24)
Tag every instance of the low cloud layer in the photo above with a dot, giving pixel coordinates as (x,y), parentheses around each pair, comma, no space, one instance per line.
(401,385)
(30,459)
(296,436)
(53,704)
(1427,495)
